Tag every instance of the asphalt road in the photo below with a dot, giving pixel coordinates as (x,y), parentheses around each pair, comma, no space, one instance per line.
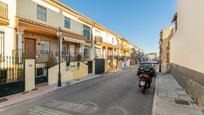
(112,94)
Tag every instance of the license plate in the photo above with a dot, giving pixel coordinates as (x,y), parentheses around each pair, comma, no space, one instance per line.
(142,83)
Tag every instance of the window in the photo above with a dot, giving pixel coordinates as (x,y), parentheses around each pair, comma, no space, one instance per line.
(45,47)
(87,32)
(86,52)
(2,44)
(175,21)
(98,39)
(3,10)
(64,49)
(112,40)
(118,43)
(67,23)
(41,13)
(110,53)
(98,53)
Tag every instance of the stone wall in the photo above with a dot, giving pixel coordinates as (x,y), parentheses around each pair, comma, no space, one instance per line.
(192,81)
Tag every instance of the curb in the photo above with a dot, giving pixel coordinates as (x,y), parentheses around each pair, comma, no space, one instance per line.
(155,99)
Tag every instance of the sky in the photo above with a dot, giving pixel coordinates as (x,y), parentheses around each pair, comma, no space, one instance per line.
(139,21)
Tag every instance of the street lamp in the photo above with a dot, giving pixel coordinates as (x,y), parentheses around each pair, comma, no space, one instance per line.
(60,36)
(160,52)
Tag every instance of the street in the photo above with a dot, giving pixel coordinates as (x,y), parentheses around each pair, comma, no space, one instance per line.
(111,94)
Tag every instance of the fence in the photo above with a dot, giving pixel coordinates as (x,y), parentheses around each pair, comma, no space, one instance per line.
(11,75)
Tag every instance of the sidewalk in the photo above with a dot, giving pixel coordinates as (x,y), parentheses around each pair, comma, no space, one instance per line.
(171,99)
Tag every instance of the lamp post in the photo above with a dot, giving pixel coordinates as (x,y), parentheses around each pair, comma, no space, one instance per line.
(160,57)
(60,36)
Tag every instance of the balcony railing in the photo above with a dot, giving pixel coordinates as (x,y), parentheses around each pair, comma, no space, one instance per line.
(10,70)
(3,10)
(74,56)
(44,56)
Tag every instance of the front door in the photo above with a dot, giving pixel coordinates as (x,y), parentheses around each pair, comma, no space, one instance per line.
(99,66)
(30,48)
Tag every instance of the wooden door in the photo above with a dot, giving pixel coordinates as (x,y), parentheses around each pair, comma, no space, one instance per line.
(30,48)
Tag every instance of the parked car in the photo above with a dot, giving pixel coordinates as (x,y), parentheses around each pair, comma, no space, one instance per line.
(148,68)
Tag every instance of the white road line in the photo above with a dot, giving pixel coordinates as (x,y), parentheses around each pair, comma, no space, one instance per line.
(122,110)
(45,111)
(74,107)
(95,107)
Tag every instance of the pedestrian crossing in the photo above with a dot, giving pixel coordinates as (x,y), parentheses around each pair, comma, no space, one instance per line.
(39,110)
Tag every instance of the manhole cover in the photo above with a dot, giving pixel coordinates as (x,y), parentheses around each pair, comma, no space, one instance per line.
(3,100)
(182,102)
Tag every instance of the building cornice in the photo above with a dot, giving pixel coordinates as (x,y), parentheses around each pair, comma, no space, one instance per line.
(83,18)
(52,29)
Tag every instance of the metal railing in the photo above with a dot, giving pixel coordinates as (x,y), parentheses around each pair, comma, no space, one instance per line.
(10,69)
(44,56)
(73,56)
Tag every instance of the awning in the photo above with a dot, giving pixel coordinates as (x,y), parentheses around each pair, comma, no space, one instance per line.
(73,40)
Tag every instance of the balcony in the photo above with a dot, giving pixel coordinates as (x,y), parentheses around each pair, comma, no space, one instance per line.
(3,14)
(45,56)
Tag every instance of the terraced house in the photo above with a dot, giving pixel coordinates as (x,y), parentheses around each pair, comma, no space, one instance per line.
(186,62)
(29,45)
(111,50)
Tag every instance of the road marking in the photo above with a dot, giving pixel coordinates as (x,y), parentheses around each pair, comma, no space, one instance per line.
(117,111)
(74,107)
(94,105)
(38,110)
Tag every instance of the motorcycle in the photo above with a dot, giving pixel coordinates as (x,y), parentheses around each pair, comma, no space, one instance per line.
(144,82)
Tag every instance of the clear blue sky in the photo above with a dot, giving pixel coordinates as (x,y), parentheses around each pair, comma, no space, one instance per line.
(139,21)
